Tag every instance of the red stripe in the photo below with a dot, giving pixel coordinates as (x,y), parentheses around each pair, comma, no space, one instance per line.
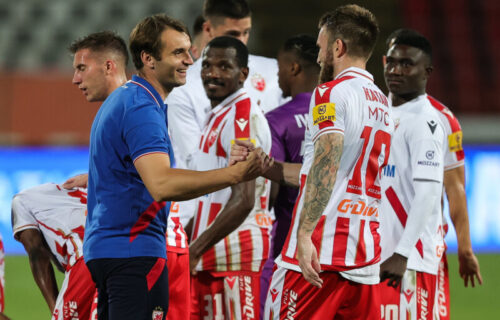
(246,253)
(219,150)
(155,273)
(197,220)
(214,211)
(303,178)
(376,239)
(361,247)
(150,93)
(400,211)
(208,259)
(177,231)
(317,235)
(265,247)
(396,205)
(346,72)
(325,124)
(146,218)
(242,115)
(340,241)
(227,246)
(209,140)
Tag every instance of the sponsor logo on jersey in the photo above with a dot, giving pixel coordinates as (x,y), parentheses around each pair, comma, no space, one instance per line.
(157,313)
(230,282)
(422,296)
(429,154)
(428,163)
(274,294)
(324,112)
(263,220)
(378,114)
(242,123)
(442,298)
(389,170)
(322,90)
(455,141)
(432,125)
(292,305)
(408,294)
(359,208)
(248,307)
(258,82)
(376,96)
(70,310)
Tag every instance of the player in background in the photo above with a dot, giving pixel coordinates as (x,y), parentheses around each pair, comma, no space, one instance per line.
(231,234)
(49,220)
(199,38)
(297,78)
(131,179)
(332,251)
(412,242)
(454,186)
(189,104)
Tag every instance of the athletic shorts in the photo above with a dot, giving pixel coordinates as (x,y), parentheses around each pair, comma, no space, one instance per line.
(443,290)
(292,297)
(230,297)
(179,286)
(77,292)
(130,288)
(413,299)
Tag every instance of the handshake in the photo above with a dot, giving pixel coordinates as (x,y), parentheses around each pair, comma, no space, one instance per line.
(254,162)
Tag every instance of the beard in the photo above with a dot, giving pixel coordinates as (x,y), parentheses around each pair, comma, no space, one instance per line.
(326,73)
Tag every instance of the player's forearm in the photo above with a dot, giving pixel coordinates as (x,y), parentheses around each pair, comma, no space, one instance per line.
(459,215)
(43,273)
(285,173)
(239,205)
(427,195)
(320,181)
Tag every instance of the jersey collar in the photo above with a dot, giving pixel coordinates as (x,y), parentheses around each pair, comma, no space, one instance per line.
(141,82)
(238,95)
(355,72)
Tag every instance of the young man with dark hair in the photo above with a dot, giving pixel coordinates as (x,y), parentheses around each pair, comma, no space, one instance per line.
(130,177)
(412,185)
(229,246)
(49,220)
(189,104)
(454,185)
(297,77)
(332,251)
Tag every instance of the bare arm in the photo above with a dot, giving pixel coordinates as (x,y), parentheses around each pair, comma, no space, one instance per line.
(454,183)
(166,184)
(319,185)
(40,262)
(79,181)
(236,210)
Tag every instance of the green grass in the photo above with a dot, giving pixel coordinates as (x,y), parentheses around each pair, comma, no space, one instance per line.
(25,302)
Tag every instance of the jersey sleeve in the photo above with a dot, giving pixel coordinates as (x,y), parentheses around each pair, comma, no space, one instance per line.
(327,112)
(184,129)
(145,130)
(22,217)
(426,141)
(453,153)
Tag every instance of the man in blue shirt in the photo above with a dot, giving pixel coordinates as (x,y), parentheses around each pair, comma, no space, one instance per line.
(130,177)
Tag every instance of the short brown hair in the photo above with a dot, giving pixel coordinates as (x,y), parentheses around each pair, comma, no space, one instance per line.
(146,36)
(354,25)
(217,10)
(101,41)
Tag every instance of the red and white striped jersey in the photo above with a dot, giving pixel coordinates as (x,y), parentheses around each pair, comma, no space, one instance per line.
(346,236)
(177,240)
(59,214)
(417,153)
(454,153)
(247,248)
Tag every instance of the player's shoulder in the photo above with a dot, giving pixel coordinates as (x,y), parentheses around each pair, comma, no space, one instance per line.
(262,63)
(445,113)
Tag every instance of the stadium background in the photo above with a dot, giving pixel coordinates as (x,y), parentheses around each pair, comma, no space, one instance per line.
(45,121)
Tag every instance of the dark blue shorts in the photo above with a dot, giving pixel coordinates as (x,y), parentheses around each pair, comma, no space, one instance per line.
(130,288)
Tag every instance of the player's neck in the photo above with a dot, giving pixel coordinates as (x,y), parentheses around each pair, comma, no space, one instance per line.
(397,100)
(153,81)
(304,84)
(347,62)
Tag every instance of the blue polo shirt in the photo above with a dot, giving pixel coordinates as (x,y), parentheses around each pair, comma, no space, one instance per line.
(123,220)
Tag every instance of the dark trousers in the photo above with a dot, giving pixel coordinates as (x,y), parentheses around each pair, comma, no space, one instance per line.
(131,288)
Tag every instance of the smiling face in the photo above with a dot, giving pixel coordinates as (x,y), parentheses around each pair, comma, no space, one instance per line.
(406,71)
(175,59)
(221,74)
(90,74)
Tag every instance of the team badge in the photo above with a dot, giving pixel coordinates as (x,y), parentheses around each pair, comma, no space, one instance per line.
(212,136)
(324,112)
(258,82)
(455,141)
(157,313)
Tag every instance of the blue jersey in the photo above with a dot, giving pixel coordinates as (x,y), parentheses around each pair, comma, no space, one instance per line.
(123,220)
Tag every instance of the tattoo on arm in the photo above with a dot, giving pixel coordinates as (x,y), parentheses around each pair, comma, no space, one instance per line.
(320,180)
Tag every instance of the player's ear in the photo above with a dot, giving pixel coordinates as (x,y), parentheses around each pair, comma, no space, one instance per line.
(207,27)
(147,59)
(384,60)
(295,68)
(243,74)
(339,48)
(428,71)
(110,66)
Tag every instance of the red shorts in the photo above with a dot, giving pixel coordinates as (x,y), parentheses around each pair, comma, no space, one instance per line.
(230,297)
(292,297)
(443,290)
(179,306)
(413,299)
(76,295)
